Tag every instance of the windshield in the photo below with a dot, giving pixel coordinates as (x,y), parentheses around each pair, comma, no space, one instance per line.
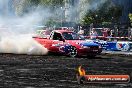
(72,36)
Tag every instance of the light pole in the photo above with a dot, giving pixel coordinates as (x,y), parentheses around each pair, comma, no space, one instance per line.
(112,22)
(96,18)
(61,15)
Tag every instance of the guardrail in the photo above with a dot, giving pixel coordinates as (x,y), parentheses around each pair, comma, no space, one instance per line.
(108,38)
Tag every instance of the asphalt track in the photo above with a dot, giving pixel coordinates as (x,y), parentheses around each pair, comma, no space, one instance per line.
(118,53)
(26,71)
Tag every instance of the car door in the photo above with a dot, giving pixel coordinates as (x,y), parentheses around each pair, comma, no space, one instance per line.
(56,41)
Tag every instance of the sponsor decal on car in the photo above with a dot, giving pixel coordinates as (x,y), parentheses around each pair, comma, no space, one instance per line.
(122,46)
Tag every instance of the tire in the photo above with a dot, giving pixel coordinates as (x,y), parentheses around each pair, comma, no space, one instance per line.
(72,51)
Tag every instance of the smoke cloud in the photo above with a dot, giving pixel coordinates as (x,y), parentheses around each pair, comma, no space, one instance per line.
(22,44)
(80,8)
(16,31)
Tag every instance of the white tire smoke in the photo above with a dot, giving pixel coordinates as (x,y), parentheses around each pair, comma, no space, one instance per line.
(22,44)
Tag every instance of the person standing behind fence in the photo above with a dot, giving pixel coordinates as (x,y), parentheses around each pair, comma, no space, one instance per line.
(104,32)
(81,32)
(93,34)
(112,33)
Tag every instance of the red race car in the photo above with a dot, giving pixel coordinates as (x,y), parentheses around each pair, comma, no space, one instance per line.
(78,45)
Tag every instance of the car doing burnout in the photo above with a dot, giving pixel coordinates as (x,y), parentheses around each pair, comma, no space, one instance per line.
(70,43)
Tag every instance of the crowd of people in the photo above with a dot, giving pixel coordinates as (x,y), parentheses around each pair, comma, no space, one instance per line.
(106,32)
(94,33)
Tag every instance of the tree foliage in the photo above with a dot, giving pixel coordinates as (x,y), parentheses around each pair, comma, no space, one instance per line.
(28,5)
(106,13)
(52,2)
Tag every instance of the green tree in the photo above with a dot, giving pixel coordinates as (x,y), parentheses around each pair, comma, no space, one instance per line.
(22,6)
(52,2)
(26,5)
(111,13)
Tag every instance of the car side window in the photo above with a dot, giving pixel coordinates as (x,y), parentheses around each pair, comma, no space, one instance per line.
(67,36)
(57,36)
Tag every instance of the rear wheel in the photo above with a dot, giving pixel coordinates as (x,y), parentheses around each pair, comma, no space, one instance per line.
(73,51)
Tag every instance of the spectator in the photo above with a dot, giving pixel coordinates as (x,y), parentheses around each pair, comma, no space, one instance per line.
(108,31)
(105,32)
(112,33)
(93,34)
(81,32)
